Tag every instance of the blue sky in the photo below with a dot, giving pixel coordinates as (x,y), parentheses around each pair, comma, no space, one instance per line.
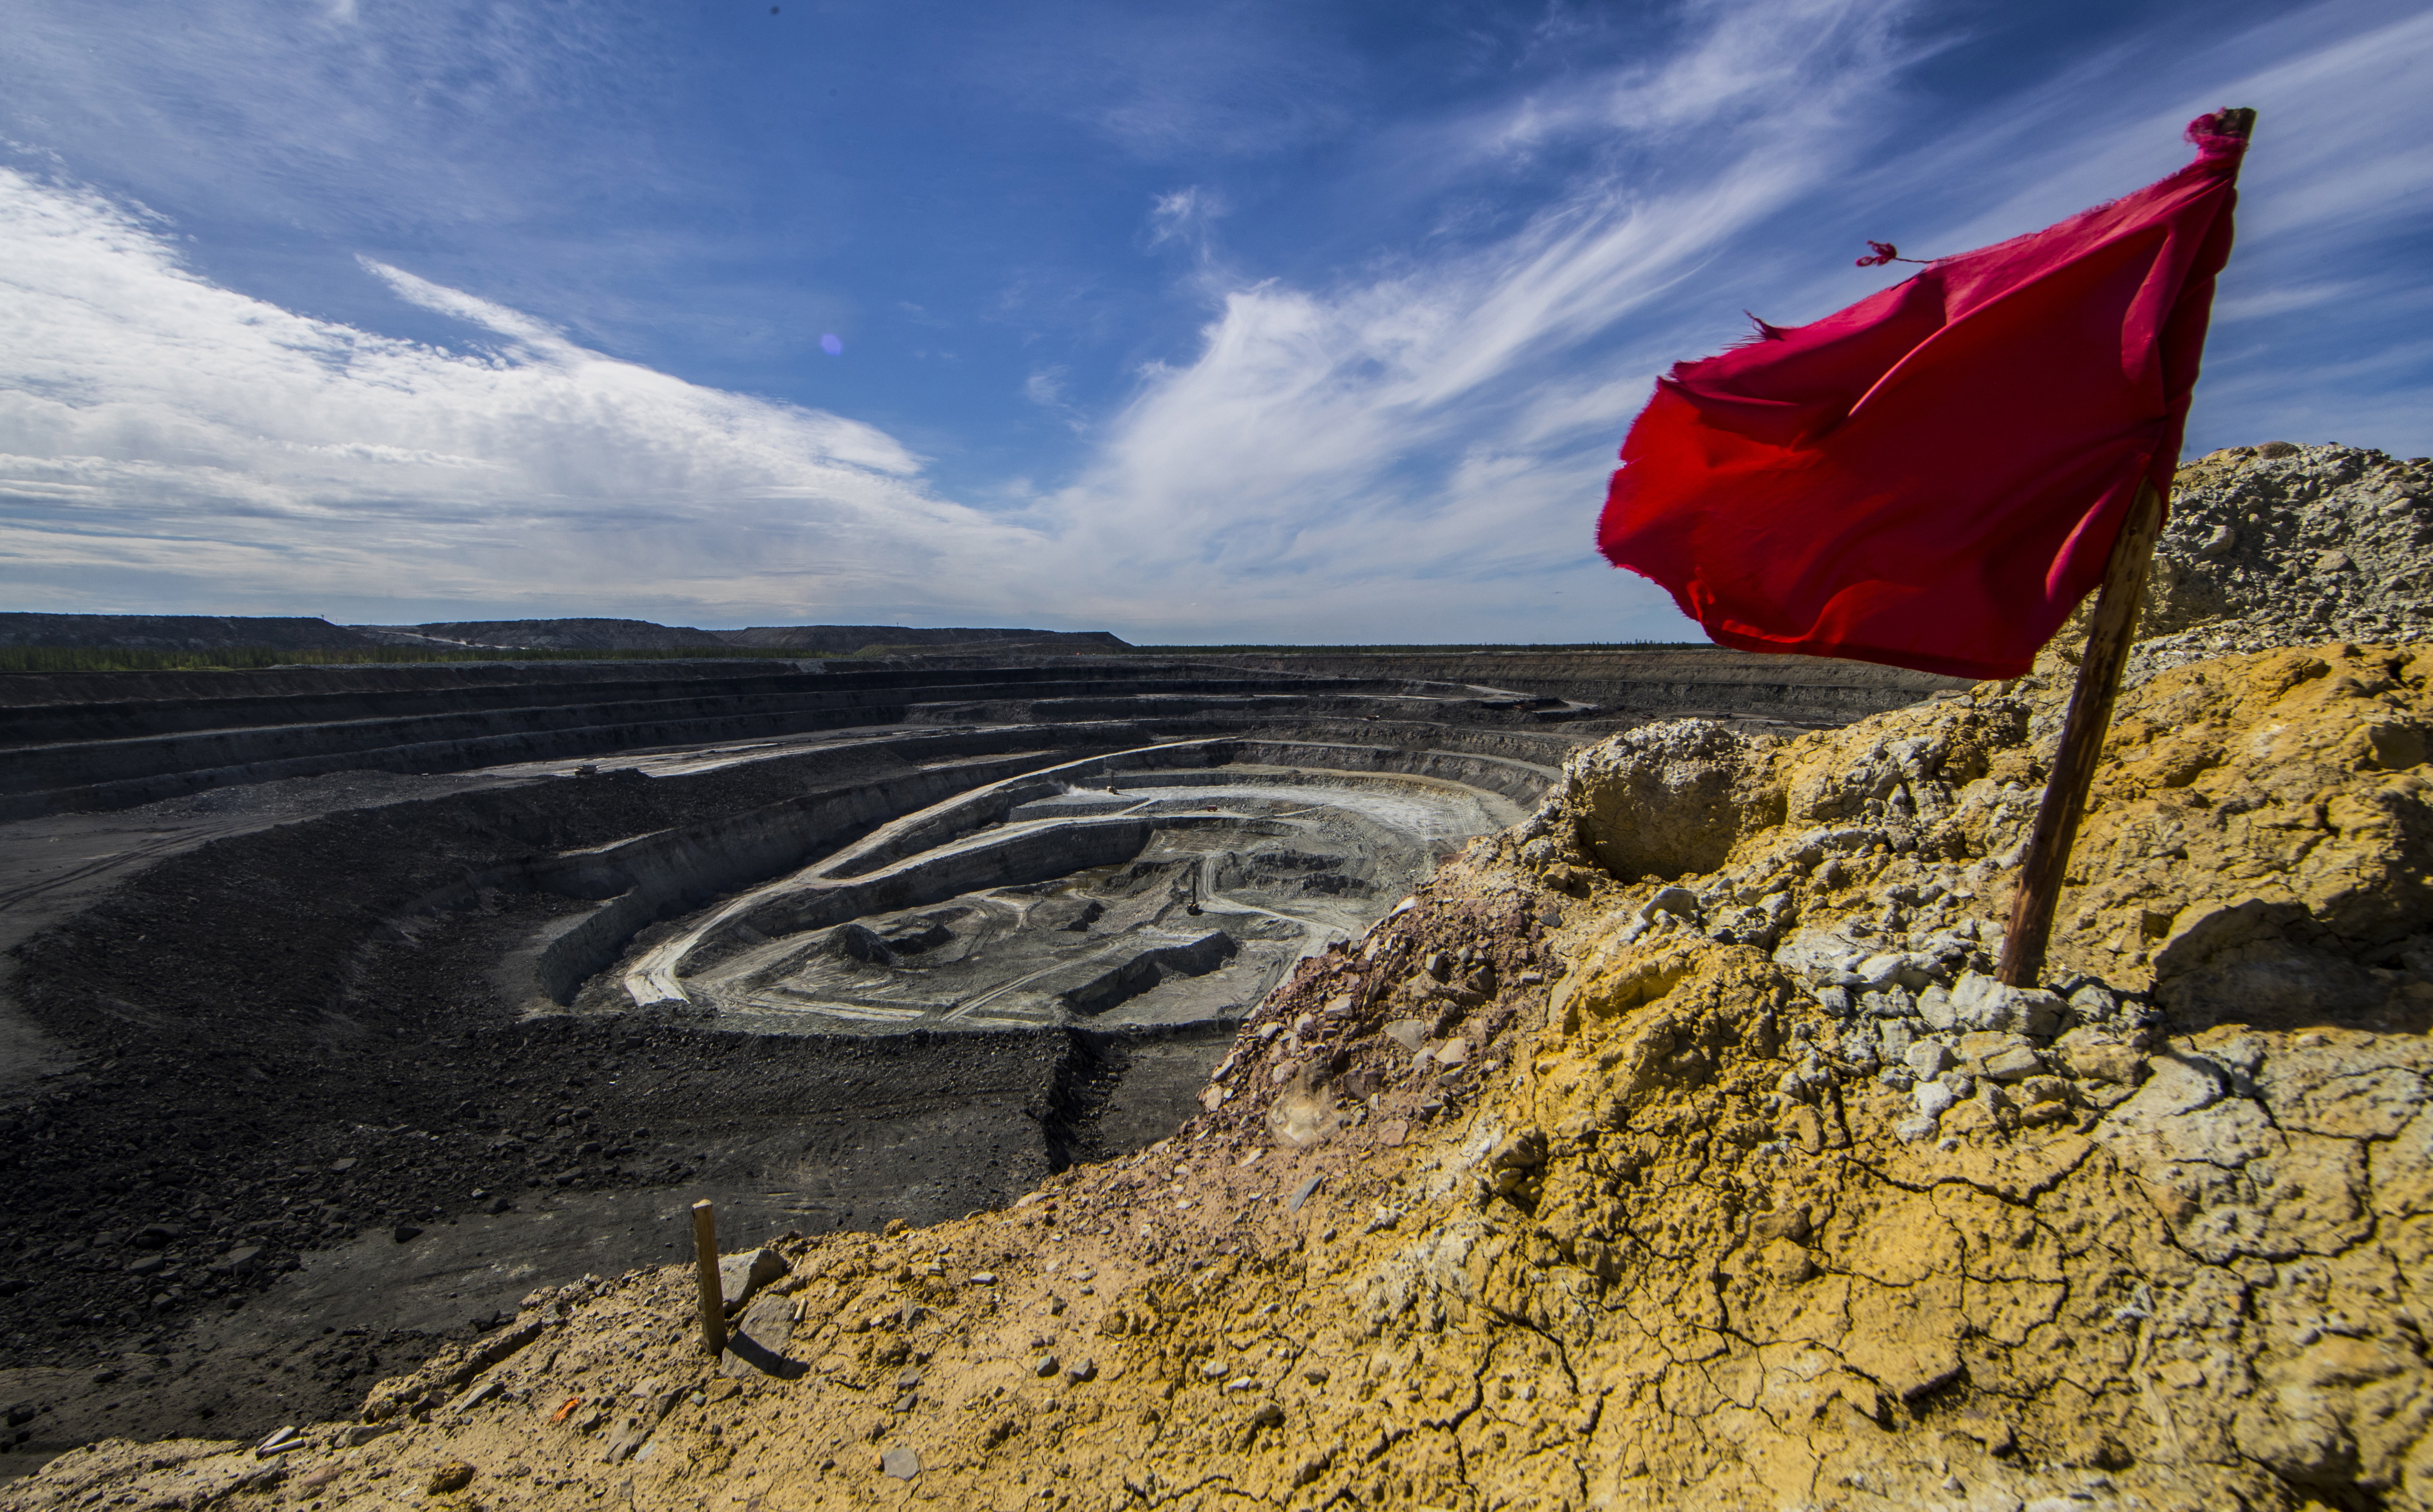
(1276,322)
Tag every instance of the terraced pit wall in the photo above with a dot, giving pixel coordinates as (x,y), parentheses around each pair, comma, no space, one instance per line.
(310,992)
(161,736)
(1670,682)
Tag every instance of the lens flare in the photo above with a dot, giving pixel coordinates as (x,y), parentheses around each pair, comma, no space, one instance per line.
(830,345)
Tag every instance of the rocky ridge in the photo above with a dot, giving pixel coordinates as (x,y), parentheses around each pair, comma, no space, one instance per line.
(1674,1148)
(2282,545)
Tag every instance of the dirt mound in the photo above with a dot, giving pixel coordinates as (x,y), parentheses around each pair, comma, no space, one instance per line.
(1740,1188)
(2255,842)
(2283,545)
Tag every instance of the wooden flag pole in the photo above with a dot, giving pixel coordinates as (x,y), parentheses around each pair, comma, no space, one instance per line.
(713,1296)
(2108,638)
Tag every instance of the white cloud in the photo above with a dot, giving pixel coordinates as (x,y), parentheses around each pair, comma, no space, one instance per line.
(1187,218)
(2264,303)
(535,335)
(1428,444)
(154,423)
(310,116)
(1413,434)
(1045,387)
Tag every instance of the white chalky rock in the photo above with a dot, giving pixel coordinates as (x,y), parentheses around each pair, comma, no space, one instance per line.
(1876,973)
(1934,1006)
(1928,1058)
(1982,1004)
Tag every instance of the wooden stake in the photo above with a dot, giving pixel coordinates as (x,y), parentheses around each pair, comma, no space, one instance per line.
(704,1263)
(2108,638)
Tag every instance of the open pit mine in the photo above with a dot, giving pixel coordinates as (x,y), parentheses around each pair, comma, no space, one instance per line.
(1266,1080)
(347,1005)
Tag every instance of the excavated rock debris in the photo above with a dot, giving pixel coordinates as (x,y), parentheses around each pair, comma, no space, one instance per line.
(2283,545)
(1743,1187)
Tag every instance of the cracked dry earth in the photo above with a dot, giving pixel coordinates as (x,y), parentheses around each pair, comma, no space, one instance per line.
(1671,1149)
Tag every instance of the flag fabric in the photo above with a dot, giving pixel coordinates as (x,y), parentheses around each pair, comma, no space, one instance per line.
(1933,478)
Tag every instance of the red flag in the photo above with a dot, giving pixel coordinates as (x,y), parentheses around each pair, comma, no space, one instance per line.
(1935,476)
